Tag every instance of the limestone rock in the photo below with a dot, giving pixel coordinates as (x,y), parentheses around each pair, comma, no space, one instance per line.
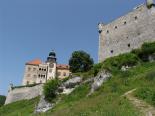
(68,86)
(99,80)
(43,105)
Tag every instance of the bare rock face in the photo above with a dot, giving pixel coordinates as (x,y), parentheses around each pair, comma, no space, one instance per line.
(68,86)
(43,105)
(152,57)
(99,80)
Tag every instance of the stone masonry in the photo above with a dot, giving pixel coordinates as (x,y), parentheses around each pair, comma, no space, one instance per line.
(127,32)
(23,93)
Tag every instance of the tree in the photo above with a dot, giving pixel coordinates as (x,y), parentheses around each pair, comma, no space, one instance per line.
(50,89)
(2,100)
(80,61)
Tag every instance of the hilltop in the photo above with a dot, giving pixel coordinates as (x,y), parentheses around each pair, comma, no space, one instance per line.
(116,97)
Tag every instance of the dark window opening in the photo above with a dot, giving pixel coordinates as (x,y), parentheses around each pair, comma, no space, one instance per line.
(115,27)
(136,17)
(129,45)
(112,51)
(27,82)
(107,31)
(100,31)
(125,23)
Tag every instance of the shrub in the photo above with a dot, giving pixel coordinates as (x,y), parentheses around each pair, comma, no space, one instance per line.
(128,59)
(144,93)
(96,68)
(50,89)
(2,100)
(145,51)
(153,99)
(150,76)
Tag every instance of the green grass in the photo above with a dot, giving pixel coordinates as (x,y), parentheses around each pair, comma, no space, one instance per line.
(20,108)
(104,102)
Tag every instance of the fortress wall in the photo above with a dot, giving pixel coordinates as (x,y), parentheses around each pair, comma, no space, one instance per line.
(24,93)
(127,32)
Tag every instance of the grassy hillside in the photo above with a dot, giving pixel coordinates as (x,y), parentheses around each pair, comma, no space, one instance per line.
(20,108)
(104,102)
(108,100)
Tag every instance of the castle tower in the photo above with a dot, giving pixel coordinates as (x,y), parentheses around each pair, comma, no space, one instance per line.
(149,3)
(51,62)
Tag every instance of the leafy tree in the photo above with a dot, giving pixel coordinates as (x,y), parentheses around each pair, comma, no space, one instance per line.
(50,89)
(2,100)
(80,61)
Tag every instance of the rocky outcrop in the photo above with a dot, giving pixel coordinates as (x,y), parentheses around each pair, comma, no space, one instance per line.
(151,57)
(68,86)
(43,105)
(99,80)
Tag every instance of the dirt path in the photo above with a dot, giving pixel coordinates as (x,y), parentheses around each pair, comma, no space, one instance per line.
(144,107)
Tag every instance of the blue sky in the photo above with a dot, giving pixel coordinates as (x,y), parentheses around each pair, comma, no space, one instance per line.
(30,29)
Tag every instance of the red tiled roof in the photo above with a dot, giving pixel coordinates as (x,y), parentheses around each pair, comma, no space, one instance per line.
(34,62)
(63,66)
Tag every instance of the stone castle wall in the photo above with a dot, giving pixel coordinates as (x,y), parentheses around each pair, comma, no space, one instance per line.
(23,93)
(127,32)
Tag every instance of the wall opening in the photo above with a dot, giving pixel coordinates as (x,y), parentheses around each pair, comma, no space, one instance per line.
(112,51)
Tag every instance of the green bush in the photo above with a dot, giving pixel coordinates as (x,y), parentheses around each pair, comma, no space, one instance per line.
(50,89)
(146,50)
(150,76)
(144,93)
(2,100)
(96,68)
(116,62)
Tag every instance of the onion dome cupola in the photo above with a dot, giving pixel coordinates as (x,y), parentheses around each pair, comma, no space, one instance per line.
(149,3)
(51,57)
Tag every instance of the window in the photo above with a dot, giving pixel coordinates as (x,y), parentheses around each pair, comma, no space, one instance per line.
(129,45)
(44,69)
(59,73)
(136,17)
(27,82)
(124,22)
(39,68)
(115,27)
(29,69)
(64,74)
(112,51)
(50,70)
(34,69)
(100,31)
(35,76)
(107,31)
(28,75)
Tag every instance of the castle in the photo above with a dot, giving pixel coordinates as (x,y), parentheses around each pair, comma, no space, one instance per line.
(38,72)
(127,32)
